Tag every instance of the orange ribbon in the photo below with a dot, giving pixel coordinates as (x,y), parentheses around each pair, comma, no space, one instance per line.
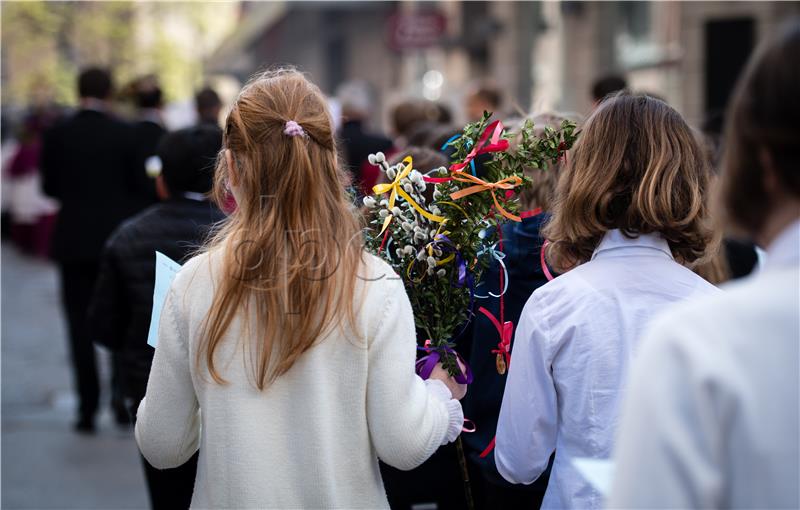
(481,185)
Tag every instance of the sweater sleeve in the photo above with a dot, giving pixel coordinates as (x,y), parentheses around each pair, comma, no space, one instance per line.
(408,420)
(168,420)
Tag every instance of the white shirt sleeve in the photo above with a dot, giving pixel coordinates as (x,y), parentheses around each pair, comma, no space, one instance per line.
(408,419)
(667,445)
(168,420)
(527,427)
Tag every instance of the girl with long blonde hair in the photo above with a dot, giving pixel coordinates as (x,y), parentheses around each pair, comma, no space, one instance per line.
(285,353)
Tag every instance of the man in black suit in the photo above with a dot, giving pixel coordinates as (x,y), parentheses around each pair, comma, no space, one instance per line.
(148,129)
(88,163)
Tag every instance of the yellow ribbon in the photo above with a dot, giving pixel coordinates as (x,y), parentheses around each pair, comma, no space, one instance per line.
(397,189)
(481,185)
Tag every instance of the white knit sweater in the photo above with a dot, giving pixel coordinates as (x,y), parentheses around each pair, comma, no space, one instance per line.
(312,439)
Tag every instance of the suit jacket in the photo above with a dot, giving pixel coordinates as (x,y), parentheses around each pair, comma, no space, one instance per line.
(146,134)
(88,163)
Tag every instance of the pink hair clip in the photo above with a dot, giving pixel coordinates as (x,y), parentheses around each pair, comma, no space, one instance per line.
(293,129)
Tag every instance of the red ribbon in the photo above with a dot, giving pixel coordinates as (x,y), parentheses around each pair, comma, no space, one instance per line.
(488,449)
(506,331)
(484,145)
(545,269)
(436,180)
(562,148)
(383,243)
(496,144)
(531,213)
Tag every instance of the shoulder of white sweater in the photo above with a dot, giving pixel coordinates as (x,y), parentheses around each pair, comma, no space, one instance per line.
(195,279)
(378,289)
(378,276)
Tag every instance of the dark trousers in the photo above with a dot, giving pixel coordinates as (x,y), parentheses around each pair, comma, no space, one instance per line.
(77,285)
(439,480)
(169,489)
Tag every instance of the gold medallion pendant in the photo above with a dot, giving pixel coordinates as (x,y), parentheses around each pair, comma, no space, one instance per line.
(500,361)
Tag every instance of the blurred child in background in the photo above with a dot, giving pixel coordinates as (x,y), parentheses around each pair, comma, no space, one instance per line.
(119,316)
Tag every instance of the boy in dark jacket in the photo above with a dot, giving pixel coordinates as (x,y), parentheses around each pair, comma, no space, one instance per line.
(119,316)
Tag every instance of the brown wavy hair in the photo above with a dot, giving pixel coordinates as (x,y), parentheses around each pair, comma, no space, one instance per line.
(292,247)
(636,167)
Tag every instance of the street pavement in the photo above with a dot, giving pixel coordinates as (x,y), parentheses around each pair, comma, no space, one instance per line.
(44,463)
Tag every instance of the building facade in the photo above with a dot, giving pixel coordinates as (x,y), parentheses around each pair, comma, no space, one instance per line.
(544,55)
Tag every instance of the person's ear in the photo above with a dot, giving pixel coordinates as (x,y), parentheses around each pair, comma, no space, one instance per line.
(232,170)
(162,191)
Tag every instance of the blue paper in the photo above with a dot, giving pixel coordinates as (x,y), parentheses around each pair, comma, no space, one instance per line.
(166,269)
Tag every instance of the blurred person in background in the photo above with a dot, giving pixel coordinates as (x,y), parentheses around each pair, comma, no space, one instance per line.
(712,418)
(119,317)
(741,255)
(88,163)
(733,258)
(208,106)
(408,115)
(522,244)
(606,86)
(356,142)
(32,213)
(148,128)
(432,135)
(485,97)
(445,114)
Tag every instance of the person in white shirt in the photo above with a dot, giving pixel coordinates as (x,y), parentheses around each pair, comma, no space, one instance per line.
(285,352)
(712,419)
(629,216)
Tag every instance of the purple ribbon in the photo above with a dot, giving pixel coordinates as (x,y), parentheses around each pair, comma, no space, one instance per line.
(425,364)
(462,276)
(444,243)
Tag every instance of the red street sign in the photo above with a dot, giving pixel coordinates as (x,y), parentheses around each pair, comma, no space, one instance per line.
(416,30)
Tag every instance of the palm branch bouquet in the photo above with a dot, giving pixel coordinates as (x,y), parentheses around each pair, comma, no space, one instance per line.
(440,243)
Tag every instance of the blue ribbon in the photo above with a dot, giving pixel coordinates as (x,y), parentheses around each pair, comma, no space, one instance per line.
(498,256)
(469,144)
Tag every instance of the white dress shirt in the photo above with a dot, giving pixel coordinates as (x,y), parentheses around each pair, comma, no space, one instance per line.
(575,340)
(712,416)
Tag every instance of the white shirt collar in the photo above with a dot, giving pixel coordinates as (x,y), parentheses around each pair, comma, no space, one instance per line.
(615,239)
(93,104)
(191,195)
(785,249)
(151,115)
